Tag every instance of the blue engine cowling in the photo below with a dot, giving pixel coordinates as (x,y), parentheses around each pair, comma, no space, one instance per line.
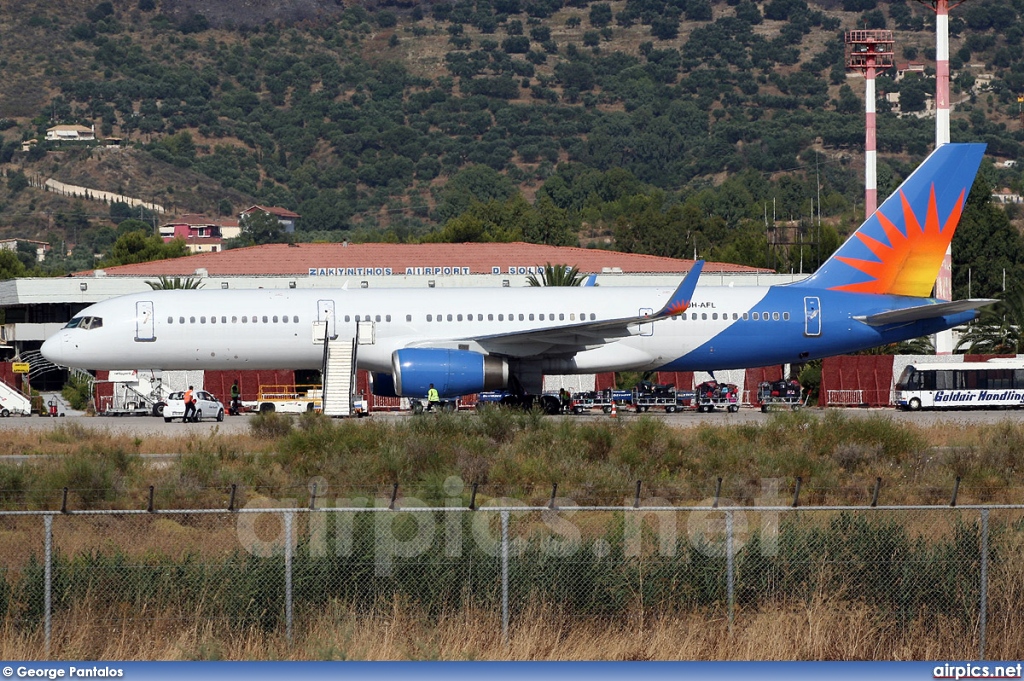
(453,372)
(382,385)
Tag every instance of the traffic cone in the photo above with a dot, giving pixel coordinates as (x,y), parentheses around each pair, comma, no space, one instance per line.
(614,413)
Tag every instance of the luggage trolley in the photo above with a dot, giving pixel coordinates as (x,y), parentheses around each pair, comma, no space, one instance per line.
(712,395)
(779,395)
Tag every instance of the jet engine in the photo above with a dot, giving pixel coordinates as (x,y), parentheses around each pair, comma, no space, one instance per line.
(453,372)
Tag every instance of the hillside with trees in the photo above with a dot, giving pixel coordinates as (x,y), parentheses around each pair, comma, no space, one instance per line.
(671,127)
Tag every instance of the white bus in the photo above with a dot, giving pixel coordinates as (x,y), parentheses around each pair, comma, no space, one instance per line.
(963,385)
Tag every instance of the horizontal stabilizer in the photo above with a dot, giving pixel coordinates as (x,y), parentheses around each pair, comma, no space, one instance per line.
(913,314)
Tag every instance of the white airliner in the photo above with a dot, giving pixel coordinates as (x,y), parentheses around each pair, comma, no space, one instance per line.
(874,290)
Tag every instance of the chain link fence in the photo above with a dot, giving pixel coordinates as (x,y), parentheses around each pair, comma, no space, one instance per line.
(956,571)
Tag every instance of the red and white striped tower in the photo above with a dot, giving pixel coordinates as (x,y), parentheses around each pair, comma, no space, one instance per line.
(944,283)
(870,52)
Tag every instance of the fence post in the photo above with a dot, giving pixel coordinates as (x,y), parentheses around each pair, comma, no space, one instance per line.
(983,617)
(47,581)
(730,568)
(504,577)
(288,516)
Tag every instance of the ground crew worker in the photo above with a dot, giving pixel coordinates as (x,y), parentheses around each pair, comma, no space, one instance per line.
(190,406)
(235,402)
(433,399)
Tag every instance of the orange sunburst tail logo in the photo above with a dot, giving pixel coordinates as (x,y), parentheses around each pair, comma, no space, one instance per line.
(899,249)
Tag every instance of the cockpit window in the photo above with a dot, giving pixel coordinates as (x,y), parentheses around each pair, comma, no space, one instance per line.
(85,323)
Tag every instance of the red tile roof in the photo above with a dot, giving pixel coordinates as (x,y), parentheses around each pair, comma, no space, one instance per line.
(196,220)
(471,258)
(273,210)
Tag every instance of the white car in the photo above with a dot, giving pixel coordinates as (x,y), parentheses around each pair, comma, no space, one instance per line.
(207,406)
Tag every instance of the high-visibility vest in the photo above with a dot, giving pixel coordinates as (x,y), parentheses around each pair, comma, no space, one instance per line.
(188,396)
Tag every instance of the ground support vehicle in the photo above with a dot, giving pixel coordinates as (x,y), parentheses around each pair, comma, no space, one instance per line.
(779,395)
(713,395)
(677,400)
(288,399)
(603,399)
(648,395)
(994,384)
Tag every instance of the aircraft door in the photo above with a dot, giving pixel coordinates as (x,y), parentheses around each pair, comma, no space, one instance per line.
(325,325)
(646,328)
(812,316)
(366,332)
(145,331)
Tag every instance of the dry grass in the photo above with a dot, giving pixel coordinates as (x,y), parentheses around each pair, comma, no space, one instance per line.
(821,630)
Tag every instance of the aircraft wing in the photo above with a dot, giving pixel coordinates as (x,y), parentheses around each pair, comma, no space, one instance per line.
(569,339)
(913,314)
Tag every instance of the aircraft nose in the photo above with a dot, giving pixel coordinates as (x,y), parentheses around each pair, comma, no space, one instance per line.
(53,348)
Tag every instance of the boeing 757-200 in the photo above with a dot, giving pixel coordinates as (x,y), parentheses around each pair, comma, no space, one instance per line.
(874,290)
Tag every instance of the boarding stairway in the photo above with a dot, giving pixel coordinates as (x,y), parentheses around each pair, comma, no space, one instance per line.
(339,374)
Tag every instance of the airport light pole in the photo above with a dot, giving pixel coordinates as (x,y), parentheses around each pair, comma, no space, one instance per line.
(870,53)
(944,283)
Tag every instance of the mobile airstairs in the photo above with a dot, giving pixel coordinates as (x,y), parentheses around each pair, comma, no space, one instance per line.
(339,369)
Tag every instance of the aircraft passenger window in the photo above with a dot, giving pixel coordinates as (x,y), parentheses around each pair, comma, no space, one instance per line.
(347,318)
(191,320)
(387,318)
(469,317)
(756,316)
(714,315)
(490,317)
(561,316)
(213,320)
(430,318)
(202,320)
(531,316)
(234,319)
(764,316)
(295,319)
(275,319)
(284,319)
(181,320)
(264,319)
(735,316)
(408,318)
(377,318)
(746,316)
(775,316)
(170,320)
(683,316)
(704,316)
(245,320)
(572,316)
(459,318)
(785,316)
(542,316)
(223,320)
(522,316)
(501,317)
(592,316)
(449,317)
